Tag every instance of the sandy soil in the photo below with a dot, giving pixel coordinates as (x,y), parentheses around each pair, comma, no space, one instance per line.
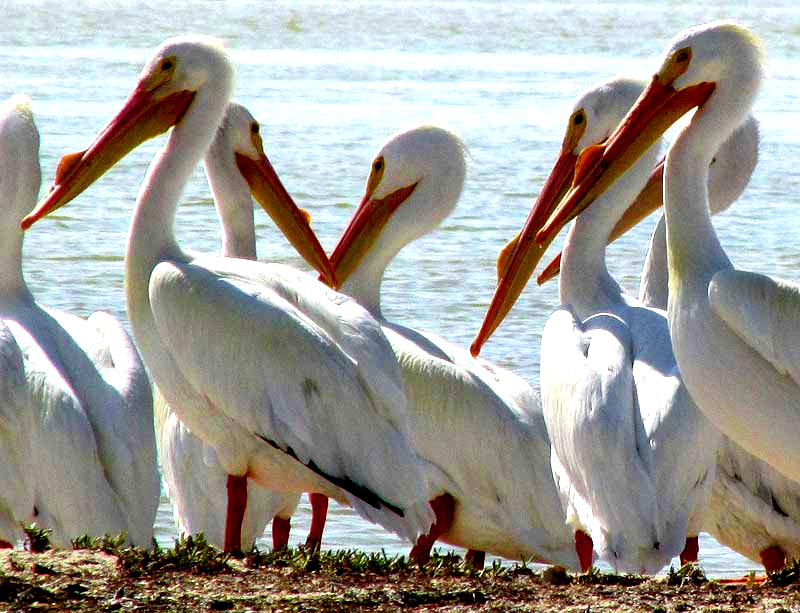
(118,580)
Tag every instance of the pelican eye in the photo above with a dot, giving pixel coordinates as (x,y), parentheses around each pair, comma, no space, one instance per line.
(677,65)
(375,175)
(575,130)
(160,74)
(255,136)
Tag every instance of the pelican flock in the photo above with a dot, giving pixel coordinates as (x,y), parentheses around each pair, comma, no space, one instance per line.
(633,458)
(239,349)
(729,328)
(753,508)
(656,417)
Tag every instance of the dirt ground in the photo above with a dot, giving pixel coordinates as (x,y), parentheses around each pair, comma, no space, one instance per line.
(192,578)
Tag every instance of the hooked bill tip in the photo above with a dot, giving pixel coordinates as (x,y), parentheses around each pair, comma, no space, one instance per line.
(475,348)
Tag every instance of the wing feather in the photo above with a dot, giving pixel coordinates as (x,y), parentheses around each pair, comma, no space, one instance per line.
(16,418)
(764,312)
(597,434)
(73,495)
(491,455)
(269,367)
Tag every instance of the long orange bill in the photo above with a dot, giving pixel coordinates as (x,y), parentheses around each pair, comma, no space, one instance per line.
(659,106)
(268,190)
(649,199)
(364,229)
(519,258)
(142,117)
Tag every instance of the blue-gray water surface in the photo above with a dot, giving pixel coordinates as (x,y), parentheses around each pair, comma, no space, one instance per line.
(329,80)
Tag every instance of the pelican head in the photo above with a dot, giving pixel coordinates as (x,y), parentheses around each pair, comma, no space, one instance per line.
(237,167)
(728,176)
(19,156)
(595,114)
(715,68)
(185,75)
(414,183)
(238,135)
(176,71)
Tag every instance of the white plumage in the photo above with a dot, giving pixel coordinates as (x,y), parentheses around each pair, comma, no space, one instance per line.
(292,384)
(192,474)
(479,426)
(734,332)
(753,508)
(633,458)
(78,443)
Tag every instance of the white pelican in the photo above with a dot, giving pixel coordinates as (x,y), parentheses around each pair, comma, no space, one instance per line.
(753,508)
(292,384)
(192,474)
(734,332)
(633,457)
(86,439)
(479,426)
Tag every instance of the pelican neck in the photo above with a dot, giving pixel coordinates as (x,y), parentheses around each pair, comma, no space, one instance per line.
(151,238)
(693,248)
(655,280)
(585,282)
(364,284)
(12,280)
(232,200)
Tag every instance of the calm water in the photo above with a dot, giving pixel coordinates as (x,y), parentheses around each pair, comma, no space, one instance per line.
(328,81)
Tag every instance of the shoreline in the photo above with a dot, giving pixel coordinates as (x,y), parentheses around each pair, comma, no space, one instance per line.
(194,576)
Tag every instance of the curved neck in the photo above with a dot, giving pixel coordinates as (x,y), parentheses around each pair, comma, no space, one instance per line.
(12,281)
(233,203)
(585,282)
(238,245)
(693,249)
(654,282)
(152,233)
(238,229)
(364,283)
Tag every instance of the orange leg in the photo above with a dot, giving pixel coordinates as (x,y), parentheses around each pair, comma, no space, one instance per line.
(583,547)
(319,513)
(476,558)
(773,558)
(444,507)
(280,532)
(237,504)
(690,550)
